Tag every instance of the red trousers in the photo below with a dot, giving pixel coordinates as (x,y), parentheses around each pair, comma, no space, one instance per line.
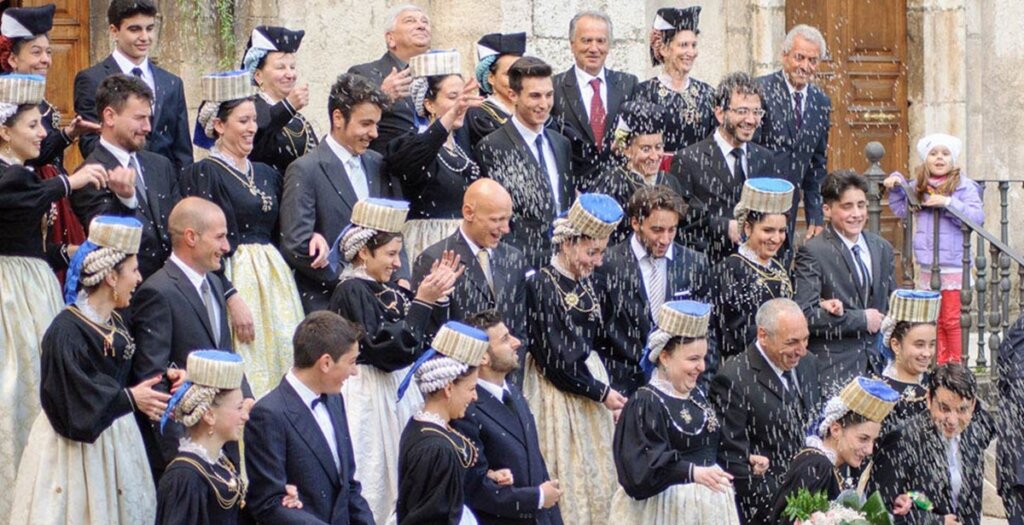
(949,330)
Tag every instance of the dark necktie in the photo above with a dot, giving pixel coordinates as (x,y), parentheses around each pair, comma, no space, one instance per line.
(791,386)
(597,114)
(864,276)
(319,400)
(137,71)
(506,398)
(798,111)
(540,156)
(738,170)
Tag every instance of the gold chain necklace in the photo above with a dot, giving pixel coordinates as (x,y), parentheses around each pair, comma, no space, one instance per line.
(249,182)
(571,300)
(235,485)
(107,333)
(772,274)
(467,451)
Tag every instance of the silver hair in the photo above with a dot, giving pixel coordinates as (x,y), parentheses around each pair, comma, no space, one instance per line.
(807,32)
(392,20)
(769,312)
(590,14)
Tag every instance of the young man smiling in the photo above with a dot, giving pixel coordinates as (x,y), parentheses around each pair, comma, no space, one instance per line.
(852,265)
(133,30)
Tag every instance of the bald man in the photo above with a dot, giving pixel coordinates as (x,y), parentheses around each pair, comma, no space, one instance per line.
(495,270)
(181,308)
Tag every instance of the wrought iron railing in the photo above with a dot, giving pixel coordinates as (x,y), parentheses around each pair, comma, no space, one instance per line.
(989,271)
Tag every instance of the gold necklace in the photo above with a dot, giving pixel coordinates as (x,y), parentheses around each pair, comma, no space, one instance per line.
(467,451)
(235,485)
(571,300)
(107,333)
(249,182)
(772,274)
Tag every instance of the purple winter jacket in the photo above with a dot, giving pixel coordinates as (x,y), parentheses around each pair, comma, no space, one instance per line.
(966,199)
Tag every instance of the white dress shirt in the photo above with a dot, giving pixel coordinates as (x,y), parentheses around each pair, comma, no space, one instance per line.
(727,148)
(320,414)
(530,137)
(865,254)
(648,267)
(472,245)
(792,98)
(587,92)
(127,66)
(353,166)
(197,282)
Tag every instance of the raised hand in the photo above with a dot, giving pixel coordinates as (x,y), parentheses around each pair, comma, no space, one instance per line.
(120,180)
(468,98)
(88,174)
(299,97)
(396,84)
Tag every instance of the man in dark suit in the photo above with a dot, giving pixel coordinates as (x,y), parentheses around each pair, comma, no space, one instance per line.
(408,35)
(322,186)
(133,28)
(298,433)
(179,309)
(642,273)
(495,272)
(124,105)
(500,424)
(765,398)
(584,114)
(851,265)
(796,122)
(941,453)
(533,163)
(712,171)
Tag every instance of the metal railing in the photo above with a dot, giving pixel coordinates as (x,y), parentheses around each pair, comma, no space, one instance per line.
(990,274)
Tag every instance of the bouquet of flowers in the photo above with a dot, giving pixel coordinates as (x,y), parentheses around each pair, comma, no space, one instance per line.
(849,508)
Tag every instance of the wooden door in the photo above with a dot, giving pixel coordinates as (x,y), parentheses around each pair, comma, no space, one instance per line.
(865,75)
(69,39)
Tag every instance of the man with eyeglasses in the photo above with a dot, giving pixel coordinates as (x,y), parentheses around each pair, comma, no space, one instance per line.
(711,172)
(796,123)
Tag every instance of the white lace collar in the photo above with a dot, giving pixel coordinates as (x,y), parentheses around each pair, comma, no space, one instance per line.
(890,372)
(816,442)
(659,381)
(187,445)
(355,272)
(557,265)
(748,253)
(90,313)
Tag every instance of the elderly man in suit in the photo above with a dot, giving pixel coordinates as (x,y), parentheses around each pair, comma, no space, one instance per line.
(532,162)
(712,171)
(941,453)
(796,121)
(133,29)
(642,273)
(852,265)
(495,271)
(179,309)
(510,483)
(322,186)
(765,398)
(297,436)
(407,35)
(588,96)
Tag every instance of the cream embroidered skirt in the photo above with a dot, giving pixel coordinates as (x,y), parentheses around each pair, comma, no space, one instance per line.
(576,442)
(419,234)
(29,300)
(266,284)
(689,503)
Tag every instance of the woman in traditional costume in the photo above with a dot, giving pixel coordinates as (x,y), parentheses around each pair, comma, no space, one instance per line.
(249,192)
(495,53)
(28,286)
(565,382)
(25,50)
(666,441)
(201,486)
(689,102)
(752,276)
(284,134)
(843,436)
(394,323)
(85,461)
(435,166)
(434,457)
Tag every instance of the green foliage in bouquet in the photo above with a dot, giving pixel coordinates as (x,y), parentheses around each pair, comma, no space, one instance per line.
(873,508)
(803,504)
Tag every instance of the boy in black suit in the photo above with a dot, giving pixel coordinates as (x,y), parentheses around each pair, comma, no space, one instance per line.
(509,483)
(298,433)
(133,29)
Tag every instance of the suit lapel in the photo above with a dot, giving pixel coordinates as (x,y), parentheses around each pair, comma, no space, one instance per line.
(474,271)
(576,103)
(491,407)
(185,287)
(764,373)
(615,97)
(564,189)
(159,82)
(336,407)
(498,272)
(374,182)
(678,281)
(217,289)
(301,418)
(152,197)
(336,174)
(847,256)
(786,99)
(877,266)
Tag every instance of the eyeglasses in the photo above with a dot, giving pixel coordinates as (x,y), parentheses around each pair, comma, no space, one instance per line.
(744,112)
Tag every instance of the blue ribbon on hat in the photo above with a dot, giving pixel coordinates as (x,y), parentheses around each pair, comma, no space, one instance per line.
(199,136)
(173,402)
(252,58)
(483,70)
(404,385)
(75,271)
